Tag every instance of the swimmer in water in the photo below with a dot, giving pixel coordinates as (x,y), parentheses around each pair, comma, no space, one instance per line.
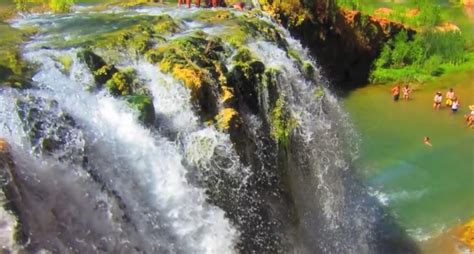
(427,142)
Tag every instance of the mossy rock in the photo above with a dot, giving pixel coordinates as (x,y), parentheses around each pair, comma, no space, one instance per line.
(308,70)
(246,28)
(245,77)
(166,25)
(212,17)
(123,83)
(141,36)
(49,129)
(9,79)
(144,105)
(227,119)
(5,72)
(282,122)
(66,61)
(99,68)
(195,59)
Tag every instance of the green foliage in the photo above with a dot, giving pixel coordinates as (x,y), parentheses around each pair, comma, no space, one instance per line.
(319,93)
(308,69)
(349,4)
(123,82)
(20,5)
(66,61)
(144,104)
(420,57)
(450,46)
(430,13)
(241,29)
(54,5)
(61,5)
(282,123)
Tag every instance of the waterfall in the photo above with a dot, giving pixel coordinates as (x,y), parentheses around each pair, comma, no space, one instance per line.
(92,177)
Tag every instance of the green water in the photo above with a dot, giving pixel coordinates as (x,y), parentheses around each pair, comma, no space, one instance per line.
(429,189)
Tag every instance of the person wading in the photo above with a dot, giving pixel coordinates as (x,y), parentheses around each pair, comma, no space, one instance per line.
(396,93)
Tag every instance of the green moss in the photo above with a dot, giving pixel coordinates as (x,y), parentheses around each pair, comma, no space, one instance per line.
(194,59)
(237,30)
(165,25)
(61,5)
(99,68)
(144,105)
(123,82)
(243,55)
(66,62)
(14,70)
(282,123)
(10,41)
(212,17)
(319,93)
(295,55)
(308,69)
(270,78)
(129,35)
(140,37)
(292,12)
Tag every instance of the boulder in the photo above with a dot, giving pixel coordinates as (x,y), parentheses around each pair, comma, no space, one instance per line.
(50,130)
(144,105)
(99,68)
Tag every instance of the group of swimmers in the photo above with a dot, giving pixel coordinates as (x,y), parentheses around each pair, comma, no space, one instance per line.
(451,102)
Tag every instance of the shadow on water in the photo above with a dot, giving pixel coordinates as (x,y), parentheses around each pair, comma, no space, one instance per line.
(388,235)
(355,222)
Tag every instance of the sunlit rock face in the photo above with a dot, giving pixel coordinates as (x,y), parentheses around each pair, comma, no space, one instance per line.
(345,42)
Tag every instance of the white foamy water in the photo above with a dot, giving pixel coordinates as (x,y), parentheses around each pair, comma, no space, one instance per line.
(8,223)
(152,175)
(403,195)
(203,146)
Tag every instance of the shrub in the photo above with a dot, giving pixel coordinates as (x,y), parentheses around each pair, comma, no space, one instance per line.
(419,57)
(54,5)
(61,5)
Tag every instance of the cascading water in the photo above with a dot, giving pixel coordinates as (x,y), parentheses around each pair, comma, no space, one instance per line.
(90,177)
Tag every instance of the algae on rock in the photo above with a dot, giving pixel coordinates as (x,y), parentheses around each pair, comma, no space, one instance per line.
(99,68)
(282,123)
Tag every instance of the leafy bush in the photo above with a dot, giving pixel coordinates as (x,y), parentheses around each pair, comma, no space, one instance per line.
(404,58)
(430,13)
(54,5)
(20,5)
(349,4)
(61,5)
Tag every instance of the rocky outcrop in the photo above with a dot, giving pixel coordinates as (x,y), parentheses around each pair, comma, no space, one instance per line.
(101,71)
(465,233)
(344,42)
(455,240)
(120,83)
(50,130)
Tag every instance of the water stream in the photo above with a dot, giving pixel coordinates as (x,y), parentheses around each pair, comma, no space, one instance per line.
(94,179)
